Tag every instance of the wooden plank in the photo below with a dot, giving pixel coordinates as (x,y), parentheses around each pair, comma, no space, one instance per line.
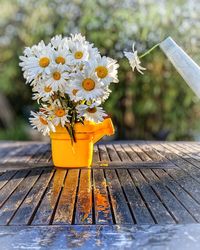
(38,153)
(128,162)
(186,200)
(10,186)
(184,166)
(132,154)
(195,147)
(137,204)
(5,150)
(13,150)
(140,152)
(42,155)
(26,211)
(96,158)
(175,208)
(121,153)
(159,212)
(121,210)
(83,213)
(187,183)
(46,209)
(155,155)
(188,179)
(65,208)
(113,154)
(104,157)
(188,154)
(9,208)
(22,155)
(102,207)
(132,165)
(5,177)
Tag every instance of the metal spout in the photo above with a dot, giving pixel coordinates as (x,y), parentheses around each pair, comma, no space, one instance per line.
(186,67)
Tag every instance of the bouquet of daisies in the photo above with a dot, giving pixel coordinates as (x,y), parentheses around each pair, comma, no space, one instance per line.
(70,80)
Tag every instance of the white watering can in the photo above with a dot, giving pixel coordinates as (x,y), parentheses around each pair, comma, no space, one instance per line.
(186,67)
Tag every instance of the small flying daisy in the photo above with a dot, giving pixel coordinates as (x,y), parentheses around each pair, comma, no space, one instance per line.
(134,60)
(92,112)
(57,78)
(88,85)
(41,122)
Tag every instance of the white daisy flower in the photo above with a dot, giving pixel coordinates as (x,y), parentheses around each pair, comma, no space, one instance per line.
(92,113)
(77,38)
(72,92)
(38,62)
(59,116)
(105,68)
(60,56)
(78,51)
(41,122)
(134,60)
(106,94)
(42,91)
(58,42)
(57,78)
(92,51)
(88,85)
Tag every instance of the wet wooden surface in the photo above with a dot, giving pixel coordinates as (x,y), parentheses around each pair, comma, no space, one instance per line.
(130,184)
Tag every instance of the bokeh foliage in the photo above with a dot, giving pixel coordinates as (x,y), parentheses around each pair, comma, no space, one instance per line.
(157,105)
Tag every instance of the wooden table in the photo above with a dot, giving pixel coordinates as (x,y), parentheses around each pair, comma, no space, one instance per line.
(137,195)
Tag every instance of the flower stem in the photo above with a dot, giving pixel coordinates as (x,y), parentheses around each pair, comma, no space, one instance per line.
(149,51)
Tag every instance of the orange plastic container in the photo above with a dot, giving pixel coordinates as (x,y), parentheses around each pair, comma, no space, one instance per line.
(66,155)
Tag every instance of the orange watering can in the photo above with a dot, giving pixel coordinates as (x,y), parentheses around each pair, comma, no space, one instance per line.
(79,154)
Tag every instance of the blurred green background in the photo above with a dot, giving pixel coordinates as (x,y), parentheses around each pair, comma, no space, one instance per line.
(157,105)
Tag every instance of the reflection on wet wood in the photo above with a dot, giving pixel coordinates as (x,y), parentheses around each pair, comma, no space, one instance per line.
(118,200)
(46,208)
(102,207)
(84,199)
(65,208)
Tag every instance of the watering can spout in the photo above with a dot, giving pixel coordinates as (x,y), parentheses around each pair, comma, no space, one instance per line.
(186,67)
(104,128)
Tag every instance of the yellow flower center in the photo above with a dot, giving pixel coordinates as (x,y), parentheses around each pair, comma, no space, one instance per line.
(88,84)
(74,91)
(43,121)
(47,89)
(60,112)
(44,62)
(78,54)
(101,71)
(60,59)
(56,75)
(92,110)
